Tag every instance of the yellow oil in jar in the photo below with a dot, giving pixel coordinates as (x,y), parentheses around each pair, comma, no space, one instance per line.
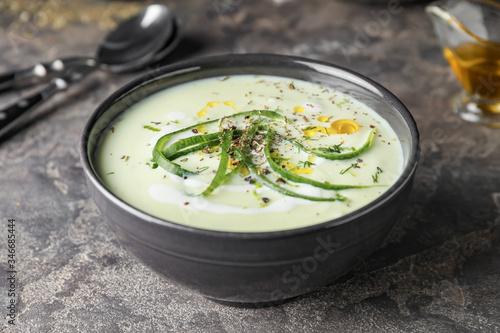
(477,67)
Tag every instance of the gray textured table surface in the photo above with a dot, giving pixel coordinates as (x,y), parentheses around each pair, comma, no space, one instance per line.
(438,271)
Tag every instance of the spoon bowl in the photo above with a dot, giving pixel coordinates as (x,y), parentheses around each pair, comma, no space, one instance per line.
(138,40)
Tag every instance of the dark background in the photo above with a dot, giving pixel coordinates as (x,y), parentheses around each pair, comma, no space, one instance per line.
(438,270)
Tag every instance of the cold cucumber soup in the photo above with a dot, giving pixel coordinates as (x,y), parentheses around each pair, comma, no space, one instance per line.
(249,154)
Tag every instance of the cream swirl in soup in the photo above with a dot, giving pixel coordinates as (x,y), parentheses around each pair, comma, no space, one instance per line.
(249,154)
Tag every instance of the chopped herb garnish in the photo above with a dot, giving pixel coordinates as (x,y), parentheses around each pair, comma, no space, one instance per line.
(375,176)
(353,165)
(345,100)
(151,128)
(333,149)
(306,164)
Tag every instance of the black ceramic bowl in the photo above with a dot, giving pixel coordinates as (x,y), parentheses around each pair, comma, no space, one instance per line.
(253,267)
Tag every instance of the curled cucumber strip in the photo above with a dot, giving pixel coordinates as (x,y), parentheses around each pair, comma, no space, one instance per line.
(160,153)
(237,144)
(294,177)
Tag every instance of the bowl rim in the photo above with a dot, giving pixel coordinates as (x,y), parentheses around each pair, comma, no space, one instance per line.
(387,96)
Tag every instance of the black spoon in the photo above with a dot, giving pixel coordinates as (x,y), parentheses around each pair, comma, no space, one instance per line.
(143,39)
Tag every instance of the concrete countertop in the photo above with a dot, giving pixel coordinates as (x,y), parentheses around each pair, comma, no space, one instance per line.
(438,270)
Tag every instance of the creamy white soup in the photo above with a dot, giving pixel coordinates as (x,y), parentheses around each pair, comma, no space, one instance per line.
(249,154)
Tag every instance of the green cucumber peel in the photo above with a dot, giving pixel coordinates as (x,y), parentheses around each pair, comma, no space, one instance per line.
(257,172)
(163,161)
(288,175)
(323,152)
(220,175)
(237,143)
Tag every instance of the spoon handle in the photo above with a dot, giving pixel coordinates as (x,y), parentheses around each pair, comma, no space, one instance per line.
(15,115)
(29,76)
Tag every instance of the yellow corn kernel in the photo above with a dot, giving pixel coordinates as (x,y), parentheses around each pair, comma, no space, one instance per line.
(299,109)
(344,126)
(202,112)
(311,131)
(231,104)
(323,130)
(211,104)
